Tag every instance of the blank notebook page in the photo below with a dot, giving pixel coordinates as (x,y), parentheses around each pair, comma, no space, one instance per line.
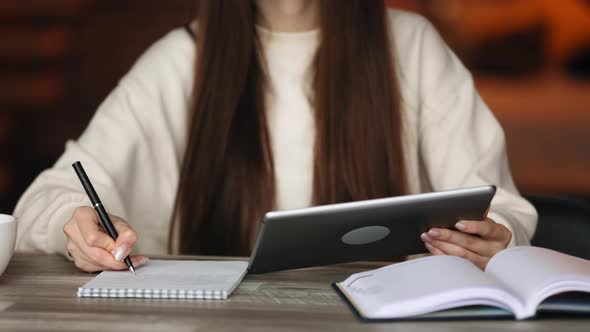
(163,279)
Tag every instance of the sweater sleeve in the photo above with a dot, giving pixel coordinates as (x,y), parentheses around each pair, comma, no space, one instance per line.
(131,150)
(109,149)
(461,142)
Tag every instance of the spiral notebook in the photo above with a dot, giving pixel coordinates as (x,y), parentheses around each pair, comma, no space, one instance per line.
(169,279)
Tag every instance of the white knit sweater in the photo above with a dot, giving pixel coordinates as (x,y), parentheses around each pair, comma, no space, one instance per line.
(133,147)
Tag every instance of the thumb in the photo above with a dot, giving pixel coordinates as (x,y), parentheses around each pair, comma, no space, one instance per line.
(125,241)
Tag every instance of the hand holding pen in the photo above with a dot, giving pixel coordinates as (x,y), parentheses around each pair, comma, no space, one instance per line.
(91,245)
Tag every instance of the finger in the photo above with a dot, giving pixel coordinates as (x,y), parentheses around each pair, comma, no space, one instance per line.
(87,266)
(102,260)
(82,251)
(433,250)
(112,264)
(81,261)
(454,250)
(77,244)
(109,262)
(93,234)
(139,260)
(487,228)
(126,239)
(95,255)
(470,242)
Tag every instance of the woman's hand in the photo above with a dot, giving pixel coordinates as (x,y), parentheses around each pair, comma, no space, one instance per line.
(476,241)
(93,249)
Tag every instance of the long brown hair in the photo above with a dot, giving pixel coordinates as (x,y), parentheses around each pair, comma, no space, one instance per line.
(227,177)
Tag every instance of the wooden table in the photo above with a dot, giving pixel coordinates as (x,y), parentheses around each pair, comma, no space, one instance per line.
(38,293)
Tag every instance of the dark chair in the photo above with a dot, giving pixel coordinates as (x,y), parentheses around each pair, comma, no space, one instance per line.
(564,225)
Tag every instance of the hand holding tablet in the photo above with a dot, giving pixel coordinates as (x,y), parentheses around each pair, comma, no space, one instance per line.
(476,241)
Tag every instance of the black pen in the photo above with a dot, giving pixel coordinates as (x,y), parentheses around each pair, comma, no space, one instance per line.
(102,213)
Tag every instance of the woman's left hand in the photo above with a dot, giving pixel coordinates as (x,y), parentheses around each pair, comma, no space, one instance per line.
(476,241)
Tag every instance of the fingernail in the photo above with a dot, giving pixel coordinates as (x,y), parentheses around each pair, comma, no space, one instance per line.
(425,237)
(143,260)
(460,226)
(429,246)
(434,233)
(120,253)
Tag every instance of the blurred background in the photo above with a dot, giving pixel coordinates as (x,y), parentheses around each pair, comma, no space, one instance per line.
(530,58)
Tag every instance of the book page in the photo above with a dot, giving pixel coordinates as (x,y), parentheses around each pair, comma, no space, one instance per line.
(534,273)
(421,286)
(159,275)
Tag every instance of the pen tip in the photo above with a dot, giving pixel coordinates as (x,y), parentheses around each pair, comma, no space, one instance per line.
(132,270)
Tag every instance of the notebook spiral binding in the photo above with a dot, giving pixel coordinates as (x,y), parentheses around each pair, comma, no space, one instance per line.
(153,293)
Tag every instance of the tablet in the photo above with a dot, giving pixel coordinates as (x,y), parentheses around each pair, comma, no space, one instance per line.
(377,229)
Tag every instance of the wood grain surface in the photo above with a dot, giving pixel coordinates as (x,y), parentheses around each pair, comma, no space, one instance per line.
(38,293)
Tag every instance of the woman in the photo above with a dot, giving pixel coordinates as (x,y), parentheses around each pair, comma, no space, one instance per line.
(281,104)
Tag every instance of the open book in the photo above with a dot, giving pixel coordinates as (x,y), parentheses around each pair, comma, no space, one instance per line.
(517,280)
(169,279)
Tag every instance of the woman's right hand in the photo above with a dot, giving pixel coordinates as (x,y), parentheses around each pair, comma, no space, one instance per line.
(94,250)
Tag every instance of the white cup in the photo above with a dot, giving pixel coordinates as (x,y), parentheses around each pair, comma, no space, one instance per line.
(7,239)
